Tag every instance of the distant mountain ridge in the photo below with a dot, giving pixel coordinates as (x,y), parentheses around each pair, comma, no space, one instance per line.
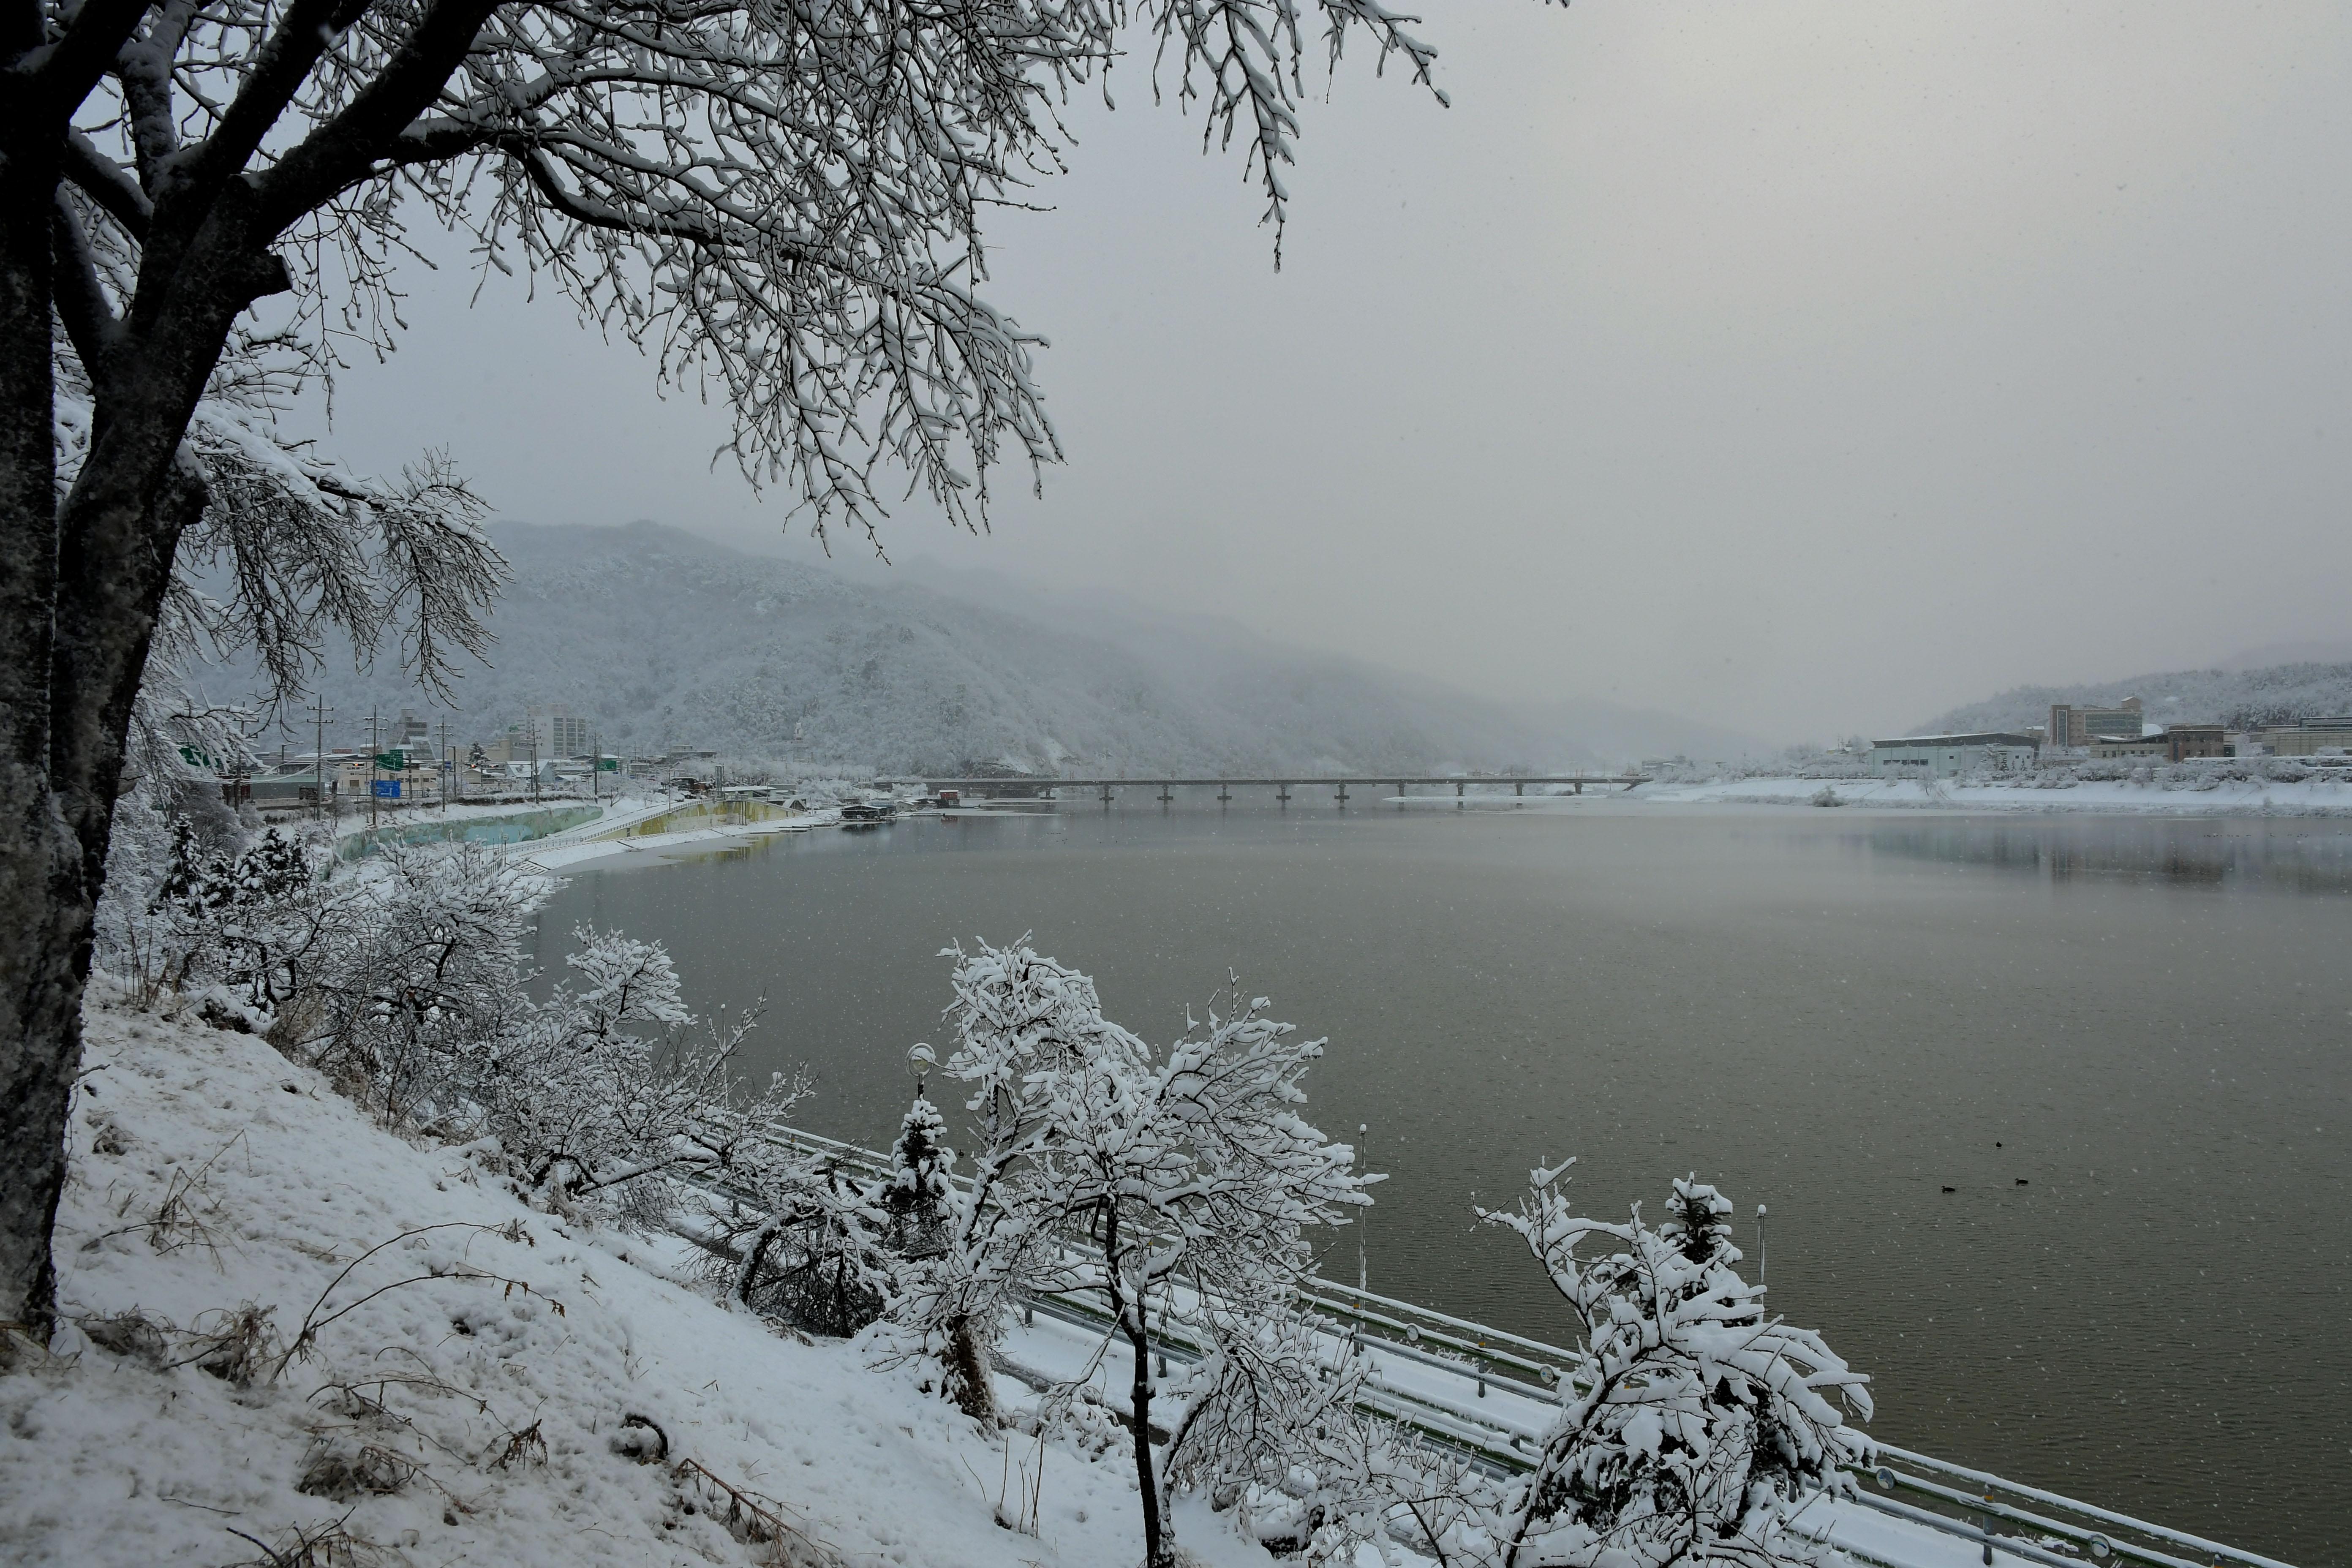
(664,639)
(2238,698)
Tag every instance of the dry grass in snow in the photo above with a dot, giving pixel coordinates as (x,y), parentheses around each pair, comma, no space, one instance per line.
(299,1339)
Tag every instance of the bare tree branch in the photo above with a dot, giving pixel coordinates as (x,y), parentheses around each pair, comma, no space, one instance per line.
(104,180)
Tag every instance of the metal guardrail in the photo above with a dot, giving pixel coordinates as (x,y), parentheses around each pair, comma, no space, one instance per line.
(2057,1531)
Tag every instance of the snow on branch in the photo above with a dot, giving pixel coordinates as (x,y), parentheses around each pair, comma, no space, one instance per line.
(1188,1186)
(778,200)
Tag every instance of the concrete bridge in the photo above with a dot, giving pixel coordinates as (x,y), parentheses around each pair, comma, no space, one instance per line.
(1167,787)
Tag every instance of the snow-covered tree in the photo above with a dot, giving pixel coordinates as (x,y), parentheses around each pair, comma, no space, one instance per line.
(1693,1425)
(1192,1183)
(809,1244)
(257,923)
(421,977)
(592,1113)
(1271,1428)
(917,1195)
(777,197)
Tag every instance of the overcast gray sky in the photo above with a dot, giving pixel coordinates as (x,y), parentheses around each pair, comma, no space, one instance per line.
(1807,368)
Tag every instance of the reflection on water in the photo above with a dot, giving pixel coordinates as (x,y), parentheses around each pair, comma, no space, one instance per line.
(2051,1115)
(2256,856)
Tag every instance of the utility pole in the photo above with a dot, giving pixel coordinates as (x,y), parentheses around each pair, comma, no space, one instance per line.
(449,769)
(319,760)
(1363,1153)
(596,768)
(374,753)
(532,725)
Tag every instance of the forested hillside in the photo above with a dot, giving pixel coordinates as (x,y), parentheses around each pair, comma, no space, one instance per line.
(664,639)
(2238,698)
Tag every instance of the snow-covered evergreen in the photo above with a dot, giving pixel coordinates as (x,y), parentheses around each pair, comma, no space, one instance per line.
(1693,1424)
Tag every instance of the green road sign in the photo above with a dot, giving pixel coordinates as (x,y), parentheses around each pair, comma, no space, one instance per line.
(397,762)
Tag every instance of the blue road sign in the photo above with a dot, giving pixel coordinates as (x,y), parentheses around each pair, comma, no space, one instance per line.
(389,789)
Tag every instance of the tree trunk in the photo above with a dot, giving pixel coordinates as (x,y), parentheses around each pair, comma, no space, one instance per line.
(1139,1337)
(57,820)
(971,1382)
(1156,1553)
(44,956)
(40,999)
(83,582)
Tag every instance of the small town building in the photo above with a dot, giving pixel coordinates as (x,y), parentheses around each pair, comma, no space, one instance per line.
(2309,737)
(2076,726)
(1950,756)
(2115,748)
(2186,742)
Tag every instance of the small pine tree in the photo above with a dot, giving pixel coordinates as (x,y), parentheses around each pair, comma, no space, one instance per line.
(1698,1223)
(190,871)
(1691,1423)
(915,1195)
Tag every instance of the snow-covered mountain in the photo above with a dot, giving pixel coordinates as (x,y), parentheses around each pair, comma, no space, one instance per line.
(2237,697)
(666,640)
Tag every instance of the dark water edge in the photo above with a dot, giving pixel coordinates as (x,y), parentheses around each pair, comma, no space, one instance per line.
(2144,1022)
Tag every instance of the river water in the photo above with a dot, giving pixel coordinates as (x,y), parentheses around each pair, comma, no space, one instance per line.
(2120,1043)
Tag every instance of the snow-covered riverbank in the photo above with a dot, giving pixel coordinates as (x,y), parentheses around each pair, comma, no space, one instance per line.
(488,1386)
(2319,796)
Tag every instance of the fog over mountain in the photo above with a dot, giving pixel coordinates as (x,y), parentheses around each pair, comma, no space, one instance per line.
(2237,696)
(664,639)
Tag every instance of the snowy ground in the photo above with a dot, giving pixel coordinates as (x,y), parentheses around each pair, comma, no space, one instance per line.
(467,1393)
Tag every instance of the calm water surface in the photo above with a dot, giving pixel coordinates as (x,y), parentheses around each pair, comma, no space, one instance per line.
(2122,1042)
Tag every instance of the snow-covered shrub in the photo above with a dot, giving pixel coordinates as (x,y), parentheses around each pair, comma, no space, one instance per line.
(1692,1425)
(592,1113)
(808,1246)
(1271,1428)
(1193,1174)
(258,922)
(421,979)
(174,810)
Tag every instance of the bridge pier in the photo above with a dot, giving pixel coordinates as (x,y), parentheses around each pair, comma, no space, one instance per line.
(1580,786)
(1105,797)
(1224,792)
(1519,789)
(1167,794)
(1282,794)
(1343,793)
